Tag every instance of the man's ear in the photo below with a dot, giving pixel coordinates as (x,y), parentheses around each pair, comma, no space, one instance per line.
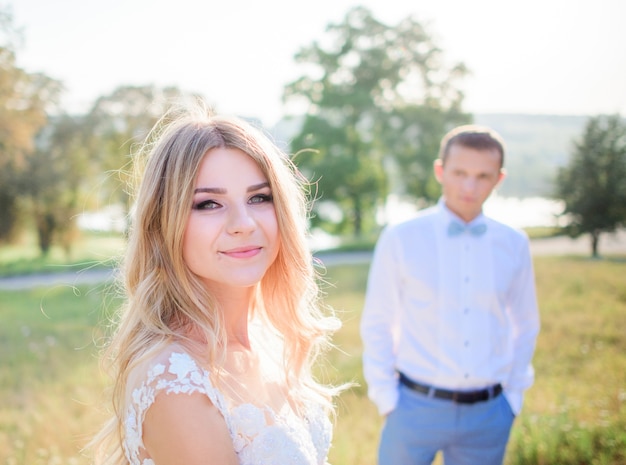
(501,176)
(438,169)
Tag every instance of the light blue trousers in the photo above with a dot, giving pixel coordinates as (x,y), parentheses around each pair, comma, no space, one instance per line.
(466,434)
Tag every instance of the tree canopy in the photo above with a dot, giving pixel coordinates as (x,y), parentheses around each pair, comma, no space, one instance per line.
(377,99)
(593,184)
(119,122)
(53,165)
(25,100)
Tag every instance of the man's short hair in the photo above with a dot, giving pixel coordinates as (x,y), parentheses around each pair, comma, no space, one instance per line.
(474,137)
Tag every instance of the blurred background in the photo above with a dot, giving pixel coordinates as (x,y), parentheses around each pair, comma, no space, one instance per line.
(371,86)
(360,93)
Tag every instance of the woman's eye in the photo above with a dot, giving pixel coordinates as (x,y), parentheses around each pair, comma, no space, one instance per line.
(206,205)
(261,198)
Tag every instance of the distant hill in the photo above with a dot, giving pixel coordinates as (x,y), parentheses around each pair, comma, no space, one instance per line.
(536,145)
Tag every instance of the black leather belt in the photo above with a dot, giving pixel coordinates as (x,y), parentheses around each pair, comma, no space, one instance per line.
(461,397)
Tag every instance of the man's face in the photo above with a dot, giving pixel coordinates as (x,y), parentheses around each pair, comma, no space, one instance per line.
(467,178)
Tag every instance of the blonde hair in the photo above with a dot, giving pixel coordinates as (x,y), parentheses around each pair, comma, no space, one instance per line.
(165,301)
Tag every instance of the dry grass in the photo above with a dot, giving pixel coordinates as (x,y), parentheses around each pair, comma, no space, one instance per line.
(575,413)
(52,391)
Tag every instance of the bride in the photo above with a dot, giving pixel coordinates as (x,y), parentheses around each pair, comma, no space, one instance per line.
(221,324)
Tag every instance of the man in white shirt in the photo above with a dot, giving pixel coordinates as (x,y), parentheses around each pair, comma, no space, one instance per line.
(450,319)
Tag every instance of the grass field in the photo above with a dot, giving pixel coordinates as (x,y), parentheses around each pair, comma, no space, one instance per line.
(88,251)
(53,395)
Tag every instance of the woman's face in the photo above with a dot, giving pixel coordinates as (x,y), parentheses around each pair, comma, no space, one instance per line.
(232,236)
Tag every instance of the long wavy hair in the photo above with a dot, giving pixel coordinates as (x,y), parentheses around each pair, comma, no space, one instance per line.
(165,301)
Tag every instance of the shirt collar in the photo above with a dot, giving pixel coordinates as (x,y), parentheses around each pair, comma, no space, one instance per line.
(447,215)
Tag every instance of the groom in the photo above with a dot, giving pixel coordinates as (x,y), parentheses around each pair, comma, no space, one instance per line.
(450,318)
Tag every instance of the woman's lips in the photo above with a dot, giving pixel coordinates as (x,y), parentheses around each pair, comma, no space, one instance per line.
(243,252)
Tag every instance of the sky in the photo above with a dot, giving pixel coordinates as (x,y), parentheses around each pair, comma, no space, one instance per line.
(537,57)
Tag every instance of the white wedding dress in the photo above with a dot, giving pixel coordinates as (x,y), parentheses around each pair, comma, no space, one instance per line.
(263,432)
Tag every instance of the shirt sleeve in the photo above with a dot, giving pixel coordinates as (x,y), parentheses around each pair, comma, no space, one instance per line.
(524,314)
(379,325)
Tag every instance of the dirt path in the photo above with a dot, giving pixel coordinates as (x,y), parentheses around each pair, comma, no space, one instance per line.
(70,279)
(610,244)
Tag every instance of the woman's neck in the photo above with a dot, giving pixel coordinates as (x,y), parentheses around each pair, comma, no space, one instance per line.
(236,306)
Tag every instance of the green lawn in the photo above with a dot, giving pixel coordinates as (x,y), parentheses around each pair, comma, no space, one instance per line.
(575,413)
(53,392)
(88,250)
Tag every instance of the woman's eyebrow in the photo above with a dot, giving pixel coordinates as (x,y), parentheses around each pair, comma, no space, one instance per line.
(257,187)
(209,190)
(221,190)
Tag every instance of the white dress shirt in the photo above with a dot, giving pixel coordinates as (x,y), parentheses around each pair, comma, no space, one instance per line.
(456,313)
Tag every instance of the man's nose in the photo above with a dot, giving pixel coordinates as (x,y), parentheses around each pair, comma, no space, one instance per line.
(469,183)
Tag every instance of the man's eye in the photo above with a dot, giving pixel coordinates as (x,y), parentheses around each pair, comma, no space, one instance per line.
(261,198)
(206,205)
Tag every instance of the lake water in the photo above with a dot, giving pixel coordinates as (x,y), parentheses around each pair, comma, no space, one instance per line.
(527,212)
(520,213)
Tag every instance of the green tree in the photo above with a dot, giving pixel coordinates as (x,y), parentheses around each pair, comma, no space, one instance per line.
(59,176)
(117,123)
(377,99)
(593,184)
(86,159)
(25,99)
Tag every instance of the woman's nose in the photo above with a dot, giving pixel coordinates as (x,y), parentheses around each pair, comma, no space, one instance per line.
(240,221)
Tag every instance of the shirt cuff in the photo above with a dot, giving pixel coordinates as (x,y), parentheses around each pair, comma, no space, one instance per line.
(515,400)
(386,401)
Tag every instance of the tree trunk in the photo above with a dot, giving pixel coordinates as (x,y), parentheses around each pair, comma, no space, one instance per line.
(8,217)
(46,225)
(595,238)
(358,217)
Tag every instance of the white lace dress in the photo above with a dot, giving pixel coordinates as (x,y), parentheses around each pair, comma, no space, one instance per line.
(261,435)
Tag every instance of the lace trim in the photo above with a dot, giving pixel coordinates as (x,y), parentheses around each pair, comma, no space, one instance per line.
(260,435)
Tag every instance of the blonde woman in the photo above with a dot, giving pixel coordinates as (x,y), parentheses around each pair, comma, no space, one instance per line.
(215,343)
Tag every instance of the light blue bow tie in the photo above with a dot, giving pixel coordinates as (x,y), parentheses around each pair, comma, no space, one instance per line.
(455,228)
